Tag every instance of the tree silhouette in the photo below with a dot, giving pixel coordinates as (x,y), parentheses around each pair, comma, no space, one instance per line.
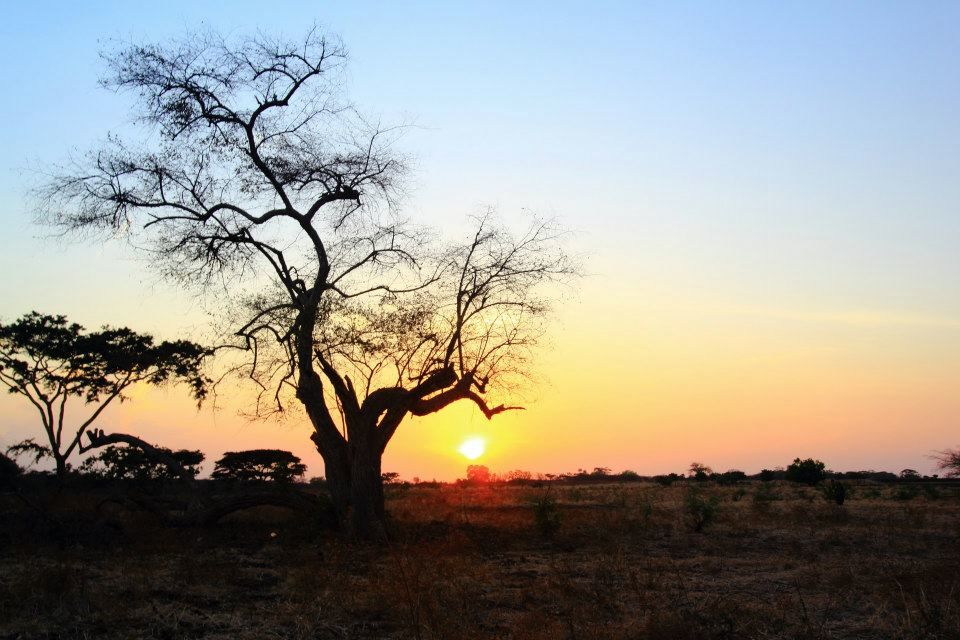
(263,180)
(700,471)
(133,463)
(49,360)
(949,462)
(261,465)
(807,471)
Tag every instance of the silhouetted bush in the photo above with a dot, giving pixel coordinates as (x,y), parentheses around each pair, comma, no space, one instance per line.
(729,477)
(546,514)
(519,477)
(768,475)
(906,492)
(131,463)
(835,491)
(807,471)
(700,510)
(9,472)
(668,479)
(273,465)
(877,476)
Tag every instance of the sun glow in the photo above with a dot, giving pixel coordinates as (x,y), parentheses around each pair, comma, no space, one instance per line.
(473,447)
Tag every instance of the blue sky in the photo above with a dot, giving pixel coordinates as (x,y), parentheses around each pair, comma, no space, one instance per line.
(790,168)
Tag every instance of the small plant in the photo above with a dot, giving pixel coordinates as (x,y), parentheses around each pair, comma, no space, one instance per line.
(546,514)
(835,491)
(700,510)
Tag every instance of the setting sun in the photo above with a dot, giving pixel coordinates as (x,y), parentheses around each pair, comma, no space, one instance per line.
(473,447)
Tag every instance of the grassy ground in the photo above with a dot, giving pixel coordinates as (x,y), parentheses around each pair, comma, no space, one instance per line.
(771,560)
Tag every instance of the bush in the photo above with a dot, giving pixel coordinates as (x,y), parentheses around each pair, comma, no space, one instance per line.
(763,496)
(729,477)
(667,480)
(9,472)
(546,515)
(131,463)
(767,475)
(807,471)
(906,492)
(835,491)
(700,510)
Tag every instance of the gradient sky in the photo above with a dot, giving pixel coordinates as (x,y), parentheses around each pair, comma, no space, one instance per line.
(766,196)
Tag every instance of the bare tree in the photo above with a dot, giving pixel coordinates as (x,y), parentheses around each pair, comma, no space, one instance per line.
(948,461)
(256,175)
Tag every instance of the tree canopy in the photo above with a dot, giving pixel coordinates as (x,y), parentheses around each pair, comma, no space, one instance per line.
(261,465)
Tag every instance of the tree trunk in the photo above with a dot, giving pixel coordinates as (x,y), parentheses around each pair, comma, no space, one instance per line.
(366,494)
(61,467)
(337,472)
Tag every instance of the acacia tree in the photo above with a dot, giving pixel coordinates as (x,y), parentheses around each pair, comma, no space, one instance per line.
(260,465)
(49,360)
(256,175)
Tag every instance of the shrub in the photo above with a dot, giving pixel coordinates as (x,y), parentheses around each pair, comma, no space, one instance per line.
(667,480)
(729,477)
(906,492)
(835,491)
(546,514)
(700,510)
(259,464)
(807,471)
(131,463)
(519,477)
(763,496)
(9,472)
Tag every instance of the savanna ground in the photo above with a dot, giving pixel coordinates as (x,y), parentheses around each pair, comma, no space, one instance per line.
(565,561)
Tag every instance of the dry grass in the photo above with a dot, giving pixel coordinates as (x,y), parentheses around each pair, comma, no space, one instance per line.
(621,561)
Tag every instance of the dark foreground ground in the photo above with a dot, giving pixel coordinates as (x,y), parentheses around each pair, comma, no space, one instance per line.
(596,561)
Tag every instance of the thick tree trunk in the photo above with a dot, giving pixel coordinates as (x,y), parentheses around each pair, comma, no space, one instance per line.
(337,472)
(366,494)
(61,467)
